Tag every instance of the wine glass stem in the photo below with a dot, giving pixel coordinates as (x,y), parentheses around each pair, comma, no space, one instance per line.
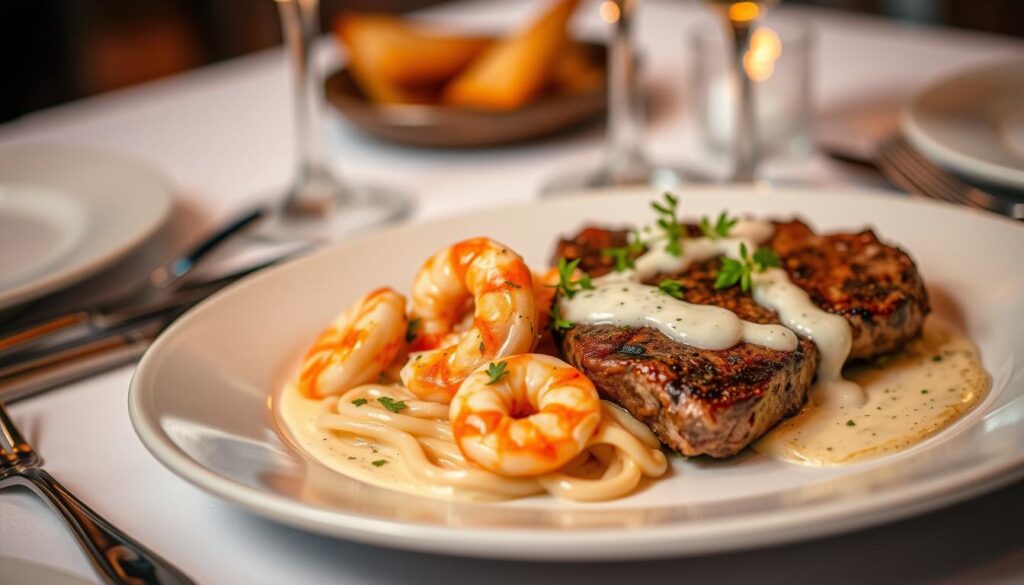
(745,138)
(315,187)
(625,108)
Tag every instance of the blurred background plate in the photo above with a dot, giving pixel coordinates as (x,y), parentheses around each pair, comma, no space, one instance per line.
(973,123)
(451,127)
(66,213)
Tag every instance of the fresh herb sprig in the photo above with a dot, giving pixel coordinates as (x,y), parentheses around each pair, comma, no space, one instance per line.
(672,288)
(668,220)
(741,271)
(567,285)
(497,371)
(720,229)
(625,255)
(558,323)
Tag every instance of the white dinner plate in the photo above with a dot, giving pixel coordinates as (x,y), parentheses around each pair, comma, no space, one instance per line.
(973,123)
(200,398)
(66,213)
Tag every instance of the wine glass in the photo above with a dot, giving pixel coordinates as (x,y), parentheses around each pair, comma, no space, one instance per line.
(625,162)
(741,19)
(320,205)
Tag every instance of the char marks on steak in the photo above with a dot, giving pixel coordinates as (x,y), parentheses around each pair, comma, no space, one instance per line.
(717,402)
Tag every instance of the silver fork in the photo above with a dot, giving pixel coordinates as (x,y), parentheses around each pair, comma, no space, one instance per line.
(911,171)
(118,558)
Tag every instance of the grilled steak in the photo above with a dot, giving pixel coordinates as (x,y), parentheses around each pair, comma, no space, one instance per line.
(717,402)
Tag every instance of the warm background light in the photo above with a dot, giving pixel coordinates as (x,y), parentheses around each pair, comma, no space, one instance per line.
(744,12)
(609,11)
(765,48)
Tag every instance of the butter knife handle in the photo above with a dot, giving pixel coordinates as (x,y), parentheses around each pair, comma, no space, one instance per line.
(119,558)
(50,327)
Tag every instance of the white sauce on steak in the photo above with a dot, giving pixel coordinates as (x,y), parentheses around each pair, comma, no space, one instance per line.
(620,299)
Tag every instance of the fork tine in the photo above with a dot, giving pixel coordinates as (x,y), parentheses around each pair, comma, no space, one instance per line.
(891,163)
(10,431)
(928,179)
(939,178)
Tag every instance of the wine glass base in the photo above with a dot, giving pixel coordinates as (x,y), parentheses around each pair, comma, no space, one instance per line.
(663,177)
(360,208)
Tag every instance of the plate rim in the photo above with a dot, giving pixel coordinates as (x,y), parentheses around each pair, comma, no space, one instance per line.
(717,535)
(36,288)
(966,164)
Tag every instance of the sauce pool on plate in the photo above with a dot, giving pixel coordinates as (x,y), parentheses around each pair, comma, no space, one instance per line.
(911,395)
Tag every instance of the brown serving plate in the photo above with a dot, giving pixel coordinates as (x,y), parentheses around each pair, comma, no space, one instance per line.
(451,127)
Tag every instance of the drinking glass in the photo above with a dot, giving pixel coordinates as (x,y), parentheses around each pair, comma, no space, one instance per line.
(320,205)
(625,162)
(740,19)
(779,64)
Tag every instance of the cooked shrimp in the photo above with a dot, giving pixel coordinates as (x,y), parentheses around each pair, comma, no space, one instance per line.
(529,417)
(494,281)
(357,346)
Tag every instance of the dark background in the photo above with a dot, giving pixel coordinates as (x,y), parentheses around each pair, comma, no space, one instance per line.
(54,51)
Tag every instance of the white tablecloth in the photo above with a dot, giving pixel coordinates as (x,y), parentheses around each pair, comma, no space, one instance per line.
(223,134)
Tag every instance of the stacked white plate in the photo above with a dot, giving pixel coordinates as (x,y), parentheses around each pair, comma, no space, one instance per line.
(67,213)
(972,123)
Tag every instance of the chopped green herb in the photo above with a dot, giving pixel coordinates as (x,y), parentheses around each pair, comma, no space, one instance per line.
(671,287)
(391,404)
(850,423)
(512,284)
(721,228)
(359,401)
(410,330)
(669,223)
(379,462)
(936,358)
(497,372)
(567,286)
(483,347)
(924,391)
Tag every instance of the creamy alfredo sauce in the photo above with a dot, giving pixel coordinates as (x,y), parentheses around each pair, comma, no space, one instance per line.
(910,395)
(349,454)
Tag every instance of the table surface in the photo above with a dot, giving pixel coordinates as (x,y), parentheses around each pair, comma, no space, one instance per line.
(223,133)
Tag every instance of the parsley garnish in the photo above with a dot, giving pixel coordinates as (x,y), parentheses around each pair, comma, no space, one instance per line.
(497,372)
(359,401)
(379,462)
(850,423)
(391,404)
(566,285)
(669,224)
(410,330)
(557,322)
(721,228)
(512,284)
(672,288)
(741,270)
(624,255)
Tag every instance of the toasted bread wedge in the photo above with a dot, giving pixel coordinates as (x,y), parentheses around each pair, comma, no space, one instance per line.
(514,70)
(575,71)
(393,52)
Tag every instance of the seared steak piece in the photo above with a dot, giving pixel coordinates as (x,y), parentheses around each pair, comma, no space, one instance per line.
(718,402)
(876,287)
(698,402)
